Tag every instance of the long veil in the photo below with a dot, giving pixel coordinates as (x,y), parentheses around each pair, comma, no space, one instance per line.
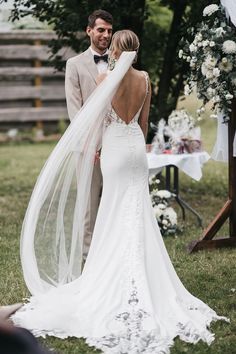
(53,228)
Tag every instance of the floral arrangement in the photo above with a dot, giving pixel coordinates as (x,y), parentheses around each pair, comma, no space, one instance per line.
(165,214)
(212,60)
(181,133)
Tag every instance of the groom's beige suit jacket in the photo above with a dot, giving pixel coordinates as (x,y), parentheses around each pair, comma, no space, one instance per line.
(80,82)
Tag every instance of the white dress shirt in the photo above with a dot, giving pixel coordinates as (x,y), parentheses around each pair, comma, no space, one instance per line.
(101,65)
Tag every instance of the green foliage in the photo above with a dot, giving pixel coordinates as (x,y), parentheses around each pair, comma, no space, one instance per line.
(156,28)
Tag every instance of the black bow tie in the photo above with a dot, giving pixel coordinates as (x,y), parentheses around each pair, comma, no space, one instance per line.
(97,58)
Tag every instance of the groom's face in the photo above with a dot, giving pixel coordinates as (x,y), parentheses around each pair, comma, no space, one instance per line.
(100,35)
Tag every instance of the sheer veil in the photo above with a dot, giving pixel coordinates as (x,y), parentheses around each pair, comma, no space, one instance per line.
(53,228)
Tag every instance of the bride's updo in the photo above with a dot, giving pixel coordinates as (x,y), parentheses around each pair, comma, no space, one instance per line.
(125,41)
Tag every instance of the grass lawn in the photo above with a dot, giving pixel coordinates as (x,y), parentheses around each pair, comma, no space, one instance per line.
(210,276)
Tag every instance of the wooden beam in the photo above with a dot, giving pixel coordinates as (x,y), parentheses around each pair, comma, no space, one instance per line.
(25,35)
(232,171)
(45,93)
(31,35)
(9,73)
(200,245)
(33,114)
(31,52)
(218,221)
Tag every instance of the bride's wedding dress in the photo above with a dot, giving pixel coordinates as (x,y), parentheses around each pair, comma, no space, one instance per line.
(128,298)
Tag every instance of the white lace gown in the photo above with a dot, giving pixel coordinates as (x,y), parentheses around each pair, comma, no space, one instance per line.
(129,298)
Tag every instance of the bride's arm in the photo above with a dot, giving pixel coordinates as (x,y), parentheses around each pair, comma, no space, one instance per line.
(143,118)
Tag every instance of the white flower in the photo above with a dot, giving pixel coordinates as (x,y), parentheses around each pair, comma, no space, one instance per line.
(229,47)
(226,66)
(181,53)
(205,43)
(152,179)
(187,90)
(233,80)
(158,212)
(210,9)
(216,72)
(164,194)
(203,69)
(213,116)
(171,215)
(192,48)
(219,31)
(212,43)
(209,74)
(154,192)
(198,37)
(216,99)
(224,60)
(188,59)
(200,44)
(164,222)
(210,61)
(229,96)
(211,92)
(161,206)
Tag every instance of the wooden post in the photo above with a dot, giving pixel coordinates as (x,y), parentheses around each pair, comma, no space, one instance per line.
(229,209)
(38,82)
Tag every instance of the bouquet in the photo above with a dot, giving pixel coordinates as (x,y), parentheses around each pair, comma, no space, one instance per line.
(181,133)
(165,214)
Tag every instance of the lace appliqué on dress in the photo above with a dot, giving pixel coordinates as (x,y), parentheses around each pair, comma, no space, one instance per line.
(112,117)
(133,339)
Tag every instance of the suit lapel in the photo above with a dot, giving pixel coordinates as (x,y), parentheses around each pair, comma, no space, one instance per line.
(90,64)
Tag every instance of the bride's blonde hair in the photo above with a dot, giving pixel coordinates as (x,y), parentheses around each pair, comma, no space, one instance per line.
(125,41)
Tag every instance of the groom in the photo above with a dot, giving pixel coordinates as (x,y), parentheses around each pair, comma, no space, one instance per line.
(80,81)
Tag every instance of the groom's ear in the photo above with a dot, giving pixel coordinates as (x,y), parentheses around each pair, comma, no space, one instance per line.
(88,30)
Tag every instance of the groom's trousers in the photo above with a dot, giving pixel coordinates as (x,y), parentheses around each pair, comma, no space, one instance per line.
(91,214)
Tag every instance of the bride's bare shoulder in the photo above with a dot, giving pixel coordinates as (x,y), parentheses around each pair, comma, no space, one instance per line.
(140,73)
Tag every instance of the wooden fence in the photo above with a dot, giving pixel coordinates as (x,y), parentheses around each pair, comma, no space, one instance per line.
(30,88)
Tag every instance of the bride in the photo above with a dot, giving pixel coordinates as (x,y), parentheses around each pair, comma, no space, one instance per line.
(128,297)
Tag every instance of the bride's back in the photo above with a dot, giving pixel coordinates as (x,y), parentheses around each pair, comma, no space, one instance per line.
(130,95)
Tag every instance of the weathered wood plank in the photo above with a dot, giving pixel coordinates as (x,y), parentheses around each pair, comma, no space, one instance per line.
(9,73)
(211,244)
(31,35)
(25,35)
(32,114)
(30,52)
(45,93)
(24,51)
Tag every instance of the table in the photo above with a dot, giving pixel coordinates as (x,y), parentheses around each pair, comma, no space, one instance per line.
(190,164)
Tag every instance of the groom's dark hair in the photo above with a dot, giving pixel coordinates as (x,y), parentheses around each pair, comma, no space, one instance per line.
(104,15)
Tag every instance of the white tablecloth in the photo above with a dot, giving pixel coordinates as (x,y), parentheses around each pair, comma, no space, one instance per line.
(191,164)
